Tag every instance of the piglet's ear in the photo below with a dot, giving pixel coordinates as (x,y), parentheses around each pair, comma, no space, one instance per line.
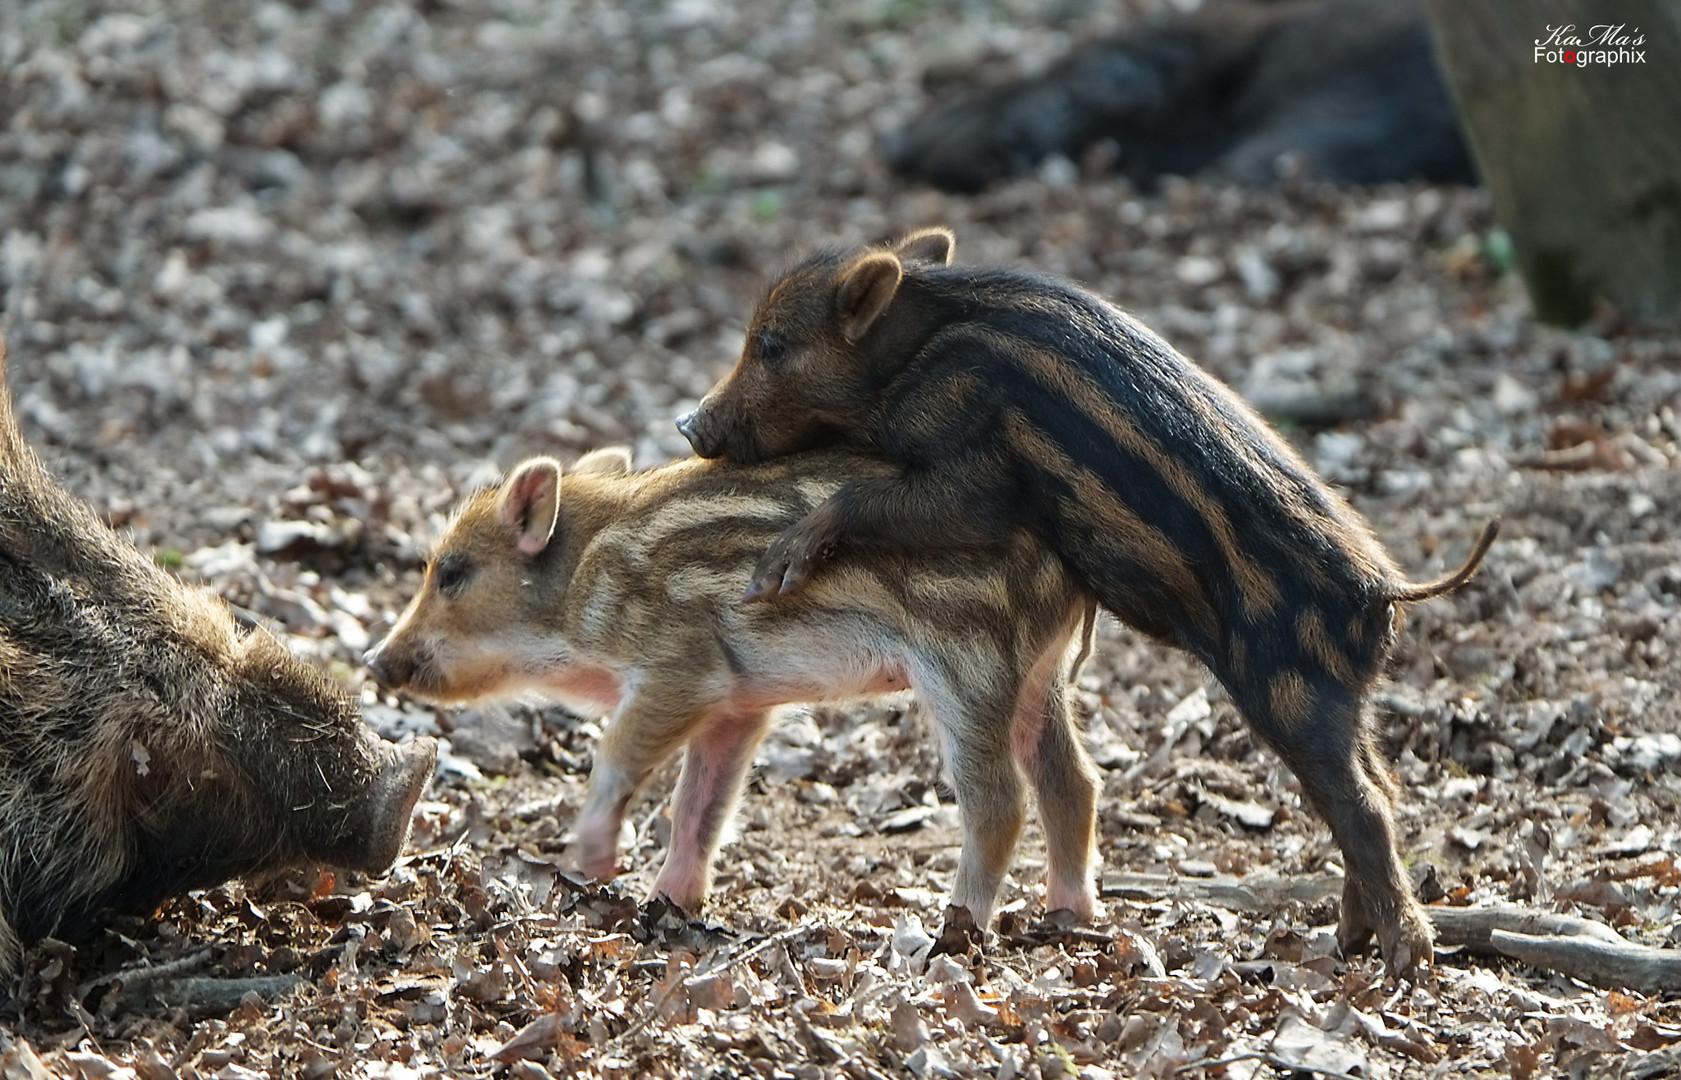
(928,246)
(607,461)
(530,502)
(866,288)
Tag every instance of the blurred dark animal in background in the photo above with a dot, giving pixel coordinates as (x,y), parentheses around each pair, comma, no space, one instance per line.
(1346,91)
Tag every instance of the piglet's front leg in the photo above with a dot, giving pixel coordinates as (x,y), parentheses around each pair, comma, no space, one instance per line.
(792,557)
(597,830)
(915,511)
(650,725)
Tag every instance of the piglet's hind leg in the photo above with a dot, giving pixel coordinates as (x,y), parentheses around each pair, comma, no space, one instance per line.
(1066,783)
(714,764)
(1330,750)
(976,730)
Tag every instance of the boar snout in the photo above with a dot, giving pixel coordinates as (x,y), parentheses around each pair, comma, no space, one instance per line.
(404,771)
(391,669)
(692,425)
(715,430)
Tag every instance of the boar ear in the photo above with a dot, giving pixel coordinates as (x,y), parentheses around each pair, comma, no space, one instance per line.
(866,288)
(607,461)
(530,502)
(928,246)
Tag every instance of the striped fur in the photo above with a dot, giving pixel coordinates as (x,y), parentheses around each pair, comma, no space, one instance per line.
(619,591)
(1007,400)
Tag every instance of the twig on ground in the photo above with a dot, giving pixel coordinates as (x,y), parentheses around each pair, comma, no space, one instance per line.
(217,995)
(1256,894)
(1568,944)
(1472,927)
(1572,946)
(1282,1064)
(145,973)
(1611,966)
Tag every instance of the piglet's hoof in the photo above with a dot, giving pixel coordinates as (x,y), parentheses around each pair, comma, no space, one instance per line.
(1060,920)
(960,935)
(1408,951)
(787,564)
(660,912)
(1404,941)
(598,862)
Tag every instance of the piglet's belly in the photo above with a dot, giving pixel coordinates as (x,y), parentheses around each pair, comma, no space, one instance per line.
(585,686)
(830,678)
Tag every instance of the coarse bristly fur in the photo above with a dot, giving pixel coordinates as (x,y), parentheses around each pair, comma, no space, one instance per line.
(1008,399)
(147,745)
(618,591)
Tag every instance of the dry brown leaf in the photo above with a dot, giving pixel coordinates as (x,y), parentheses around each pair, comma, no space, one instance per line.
(534,1040)
(963,1004)
(909,1032)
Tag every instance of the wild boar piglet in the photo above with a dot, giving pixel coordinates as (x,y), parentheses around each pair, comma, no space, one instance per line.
(1006,400)
(618,591)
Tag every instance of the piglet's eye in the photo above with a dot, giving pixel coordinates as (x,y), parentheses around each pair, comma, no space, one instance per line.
(451,572)
(772,348)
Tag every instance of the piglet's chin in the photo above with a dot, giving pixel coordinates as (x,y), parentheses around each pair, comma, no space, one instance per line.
(458,684)
(751,448)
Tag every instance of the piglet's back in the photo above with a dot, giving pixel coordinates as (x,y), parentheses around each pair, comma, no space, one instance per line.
(682,547)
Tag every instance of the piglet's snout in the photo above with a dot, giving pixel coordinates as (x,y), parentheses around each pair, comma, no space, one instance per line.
(390,669)
(694,428)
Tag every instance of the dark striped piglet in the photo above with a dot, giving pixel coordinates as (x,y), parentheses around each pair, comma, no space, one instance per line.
(1007,399)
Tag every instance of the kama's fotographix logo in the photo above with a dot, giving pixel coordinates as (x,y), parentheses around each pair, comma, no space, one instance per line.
(1602,45)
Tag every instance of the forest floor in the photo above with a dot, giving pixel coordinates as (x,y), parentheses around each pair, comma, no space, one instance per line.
(282,282)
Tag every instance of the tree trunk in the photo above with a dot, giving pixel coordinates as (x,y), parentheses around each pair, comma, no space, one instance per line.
(1583,159)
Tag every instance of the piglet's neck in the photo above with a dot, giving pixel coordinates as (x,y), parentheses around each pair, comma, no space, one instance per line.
(588,504)
(917,313)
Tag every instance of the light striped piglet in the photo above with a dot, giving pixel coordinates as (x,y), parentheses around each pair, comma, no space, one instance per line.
(618,591)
